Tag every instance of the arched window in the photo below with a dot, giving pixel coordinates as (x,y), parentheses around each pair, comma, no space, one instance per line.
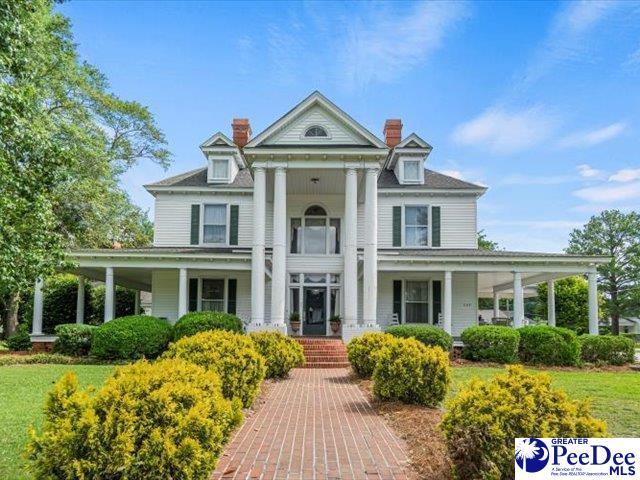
(316,131)
(315,233)
(315,210)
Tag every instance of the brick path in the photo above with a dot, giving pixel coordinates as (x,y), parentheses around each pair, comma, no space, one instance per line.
(315,425)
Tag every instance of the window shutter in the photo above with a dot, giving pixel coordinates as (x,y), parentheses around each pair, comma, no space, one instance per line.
(233,224)
(232,295)
(437,300)
(397,299)
(195,224)
(435,227)
(397,226)
(193,294)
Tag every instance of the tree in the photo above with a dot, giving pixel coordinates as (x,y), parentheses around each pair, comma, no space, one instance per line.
(616,235)
(485,244)
(572,303)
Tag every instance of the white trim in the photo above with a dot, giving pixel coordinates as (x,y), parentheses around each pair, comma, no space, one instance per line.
(303,135)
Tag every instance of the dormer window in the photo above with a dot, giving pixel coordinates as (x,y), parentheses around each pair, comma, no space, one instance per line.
(315,131)
(412,170)
(220,170)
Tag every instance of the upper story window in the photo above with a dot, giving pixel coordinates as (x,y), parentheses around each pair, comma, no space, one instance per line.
(412,170)
(315,233)
(316,131)
(220,170)
(214,224)
(416,225)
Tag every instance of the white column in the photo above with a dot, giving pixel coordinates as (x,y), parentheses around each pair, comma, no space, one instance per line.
(350,248)
(370,280)
(496,305)
(257,254)
(183,292)
(38,303)
(80,301)
(518,300)
(278,272)
(136,303)
(447,303)
(551,303)
(593,303)
(109,295)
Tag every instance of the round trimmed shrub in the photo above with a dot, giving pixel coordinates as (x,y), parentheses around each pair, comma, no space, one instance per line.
(409,371)
(609,349)
(130,338)
(483,419)
(490,343)
(166,419)
(196,322)
(427,334)
(232,355)
(20,341)
(363,349)
(281,352)
(545,345)
(73,339)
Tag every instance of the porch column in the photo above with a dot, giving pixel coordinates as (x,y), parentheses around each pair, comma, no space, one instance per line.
(551,303)
(183,292)
(446,303)
(278,272)
(38,302)
(496,305)
(257,253)
(109,295)
(350,248)
(593,303)
(80,301)
(136,303)
(370,280)
(518,300)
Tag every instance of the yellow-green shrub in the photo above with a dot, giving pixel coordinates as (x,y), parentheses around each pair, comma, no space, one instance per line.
(362,350)
(149,421)
(232,355)
(484,418)
(281,352)
(409,371)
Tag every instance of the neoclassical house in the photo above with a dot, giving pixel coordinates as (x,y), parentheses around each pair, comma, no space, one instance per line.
(318,216)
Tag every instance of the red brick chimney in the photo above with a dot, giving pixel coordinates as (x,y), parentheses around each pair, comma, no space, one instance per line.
(241,131)
(392,132)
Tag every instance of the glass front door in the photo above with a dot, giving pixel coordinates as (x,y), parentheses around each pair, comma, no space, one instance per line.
(315,302)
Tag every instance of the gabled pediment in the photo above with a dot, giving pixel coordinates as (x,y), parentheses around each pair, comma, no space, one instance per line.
(413,141)
(217,140)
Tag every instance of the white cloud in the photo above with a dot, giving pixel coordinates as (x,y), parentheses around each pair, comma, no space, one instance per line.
(608,193)
(520,179)
(633,60)
(625,175)
(453,173)
(593,137)
(587,171)
(504,131)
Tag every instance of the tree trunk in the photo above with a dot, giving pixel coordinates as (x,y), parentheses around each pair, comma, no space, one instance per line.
(11,322)
(615,324)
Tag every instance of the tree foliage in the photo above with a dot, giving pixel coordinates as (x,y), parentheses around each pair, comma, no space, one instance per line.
(572,303)
(485,244)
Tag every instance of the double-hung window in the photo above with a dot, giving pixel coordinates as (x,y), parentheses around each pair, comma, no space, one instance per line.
(220,170)
(214,224)
(212,297)
(412,170)
(315,233)
(416,225)
(416,302)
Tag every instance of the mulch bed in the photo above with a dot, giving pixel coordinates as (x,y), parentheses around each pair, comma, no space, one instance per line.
(587,367)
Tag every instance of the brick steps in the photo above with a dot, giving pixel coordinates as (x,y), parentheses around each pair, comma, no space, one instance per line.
(323,352)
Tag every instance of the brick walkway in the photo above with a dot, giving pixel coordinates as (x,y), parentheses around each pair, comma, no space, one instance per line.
(315,425)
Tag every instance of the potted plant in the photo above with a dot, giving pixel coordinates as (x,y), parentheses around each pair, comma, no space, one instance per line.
(294,321)
(335,322)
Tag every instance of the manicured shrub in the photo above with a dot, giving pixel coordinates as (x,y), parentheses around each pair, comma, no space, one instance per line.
(362,350)
(232,355)
(610,349)
(130,338)
(73,339)
(281,352)
(125,303)
(541,344)
(150,420)
(427,334)
(195,322)
(491,343)
(20,340)
(409,371)
(483,419)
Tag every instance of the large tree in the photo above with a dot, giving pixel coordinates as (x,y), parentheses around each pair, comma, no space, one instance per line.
(64,140)
(616,235)
(485,244)
(571,301)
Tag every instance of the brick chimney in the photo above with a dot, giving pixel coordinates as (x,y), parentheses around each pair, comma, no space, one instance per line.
(392,132)
(241,131)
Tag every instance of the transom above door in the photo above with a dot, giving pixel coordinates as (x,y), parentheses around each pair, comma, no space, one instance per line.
(316,298)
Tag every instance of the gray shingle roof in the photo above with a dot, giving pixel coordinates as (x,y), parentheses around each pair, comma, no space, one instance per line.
(476,252)
(432,180)
(198,178)
(165,250)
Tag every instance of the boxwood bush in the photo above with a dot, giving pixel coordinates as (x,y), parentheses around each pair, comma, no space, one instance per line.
(481,422)
(427,334)
(409,371)
(130,338)
(195,322)
(361,351)
(609,349)
(491,343)
(166,419)
(20,340)
(545,345)
(73,339)
(281,352)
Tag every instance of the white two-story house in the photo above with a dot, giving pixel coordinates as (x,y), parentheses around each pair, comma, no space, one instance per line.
(317,215)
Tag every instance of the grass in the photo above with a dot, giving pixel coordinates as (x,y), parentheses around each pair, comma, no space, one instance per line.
(22,394)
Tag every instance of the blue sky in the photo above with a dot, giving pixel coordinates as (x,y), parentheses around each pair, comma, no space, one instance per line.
(539,101)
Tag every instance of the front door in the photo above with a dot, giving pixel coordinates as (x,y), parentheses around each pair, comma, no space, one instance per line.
(315,305)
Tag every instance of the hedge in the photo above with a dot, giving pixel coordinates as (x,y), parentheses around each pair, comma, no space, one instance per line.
(490,343)
(124,303)
(281,352)
(361,351)
(427,334)
(130,338)
(195,322)
(545,345)
(20,340)
(609,349)
(73,339)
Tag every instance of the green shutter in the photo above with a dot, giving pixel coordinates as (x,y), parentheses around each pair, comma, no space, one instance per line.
(195,224)
(193,294)
(397,299)
(233,225)
(232,296)
(397,226)
(437,299)
(435,226)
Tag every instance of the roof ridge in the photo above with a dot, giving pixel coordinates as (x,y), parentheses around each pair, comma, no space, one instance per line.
(179,176)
